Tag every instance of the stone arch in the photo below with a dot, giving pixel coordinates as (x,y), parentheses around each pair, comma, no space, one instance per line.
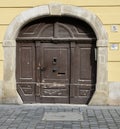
(10,94)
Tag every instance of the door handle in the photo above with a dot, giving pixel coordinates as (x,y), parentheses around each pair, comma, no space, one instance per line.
(38,68)
(42,68)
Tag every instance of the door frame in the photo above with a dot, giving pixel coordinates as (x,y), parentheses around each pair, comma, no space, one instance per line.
(10,94)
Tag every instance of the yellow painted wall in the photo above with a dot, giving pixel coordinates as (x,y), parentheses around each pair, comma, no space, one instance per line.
(31,3)
(107,10)
(1,52)
(1,62)
(114,71)
(1,70)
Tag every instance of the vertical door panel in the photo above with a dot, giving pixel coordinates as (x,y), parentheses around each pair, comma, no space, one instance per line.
(83,73)
(55,70)
(25,70)
(85,65)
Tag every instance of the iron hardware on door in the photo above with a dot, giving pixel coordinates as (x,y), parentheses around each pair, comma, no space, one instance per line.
(38,68)
(54,69)
(54,62)
(42,68)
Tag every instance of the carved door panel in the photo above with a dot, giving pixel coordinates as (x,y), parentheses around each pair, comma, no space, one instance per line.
(83,72)
(25,70)
(53,63)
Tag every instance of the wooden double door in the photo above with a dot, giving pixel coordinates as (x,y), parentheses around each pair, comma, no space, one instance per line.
(56,72)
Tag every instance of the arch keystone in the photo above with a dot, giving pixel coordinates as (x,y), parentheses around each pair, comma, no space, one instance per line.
(55,9)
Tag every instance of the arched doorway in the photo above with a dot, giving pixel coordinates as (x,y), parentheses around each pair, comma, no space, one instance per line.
(9,84)
(56,61)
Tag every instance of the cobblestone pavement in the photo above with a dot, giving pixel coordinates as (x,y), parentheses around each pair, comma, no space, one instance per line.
(30,117)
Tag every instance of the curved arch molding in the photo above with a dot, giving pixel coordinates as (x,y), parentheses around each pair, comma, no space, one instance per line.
(10,94)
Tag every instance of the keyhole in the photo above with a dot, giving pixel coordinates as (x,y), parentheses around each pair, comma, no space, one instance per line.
(54,70)
(54,60)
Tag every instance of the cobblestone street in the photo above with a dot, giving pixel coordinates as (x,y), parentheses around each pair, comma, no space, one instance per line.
(30,117)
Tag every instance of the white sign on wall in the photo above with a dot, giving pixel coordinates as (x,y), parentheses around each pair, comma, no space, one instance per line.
(114,46)
(114,28)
